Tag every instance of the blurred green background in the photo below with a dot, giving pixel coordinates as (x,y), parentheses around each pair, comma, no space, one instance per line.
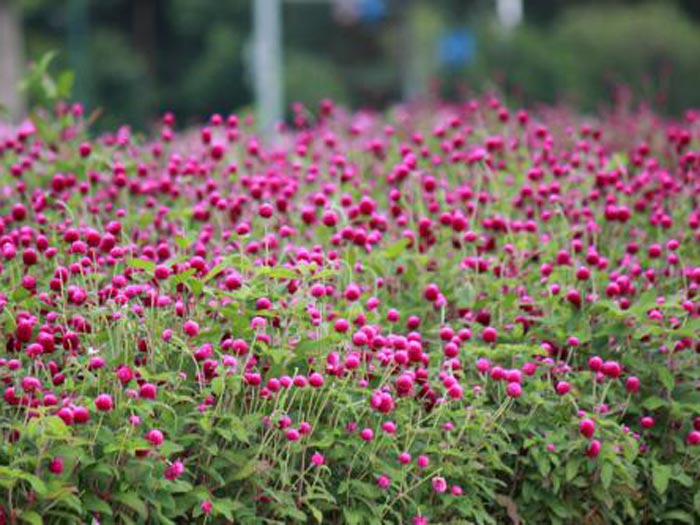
(135,59)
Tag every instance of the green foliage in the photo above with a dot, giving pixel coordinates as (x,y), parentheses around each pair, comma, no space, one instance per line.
(42,87)
(122,78)
(309,78)
(149,56)
(589,51)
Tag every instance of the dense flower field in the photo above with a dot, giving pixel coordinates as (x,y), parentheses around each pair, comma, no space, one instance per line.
(445,314)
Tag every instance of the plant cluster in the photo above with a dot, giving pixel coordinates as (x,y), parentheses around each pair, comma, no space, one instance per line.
(445,314)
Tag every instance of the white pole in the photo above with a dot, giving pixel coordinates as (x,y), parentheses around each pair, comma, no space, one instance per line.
(510,13)
(411,85)
(267,64)
(11,59)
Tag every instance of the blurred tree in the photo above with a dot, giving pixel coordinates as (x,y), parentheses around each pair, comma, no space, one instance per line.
(591,51)
(547,11)
(201,54)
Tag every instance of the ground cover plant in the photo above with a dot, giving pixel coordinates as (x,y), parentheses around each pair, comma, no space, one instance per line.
(444,314)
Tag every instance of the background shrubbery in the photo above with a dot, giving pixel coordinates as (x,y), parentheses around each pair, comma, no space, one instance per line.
(139,58)
(588,52)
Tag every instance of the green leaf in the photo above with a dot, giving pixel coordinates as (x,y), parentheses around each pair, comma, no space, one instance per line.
(141,264)
(32,517)
(606,474)
(678,515)
(224,508)
(292,512)
(246,471)
(543,465)
(182,242)
(216,270)
(240,430)
(278,273)
(131,500)
(603,495)
(558,508)
(163,519)
(55,427)
(395,250)
(64,84)
(218,385)
(179,485)
(73,502)
(11,476)
(683,478)
(317,514)
(353,517)
(654,402)
(195,285)
(661,475)
(144,219)
(666,378)
(95,504)
(19,295)
(183,277)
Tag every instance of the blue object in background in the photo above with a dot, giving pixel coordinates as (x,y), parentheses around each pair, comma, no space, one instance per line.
(457,48)
(372,11)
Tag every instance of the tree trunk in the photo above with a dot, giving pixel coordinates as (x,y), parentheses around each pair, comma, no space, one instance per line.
(11,59)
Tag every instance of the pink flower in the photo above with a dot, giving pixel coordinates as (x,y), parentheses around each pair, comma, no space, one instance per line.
(489,335)
(483,365)
(632,384)
(155,437)
(367,434)
(382,402)
(514,390)
(404,458)
(317,459)
(439,484)
(389,427)
(161,272)
(383,481)
(587,427)
(593,449)
(266,210)
(81,414)
(56,465)
(175,470)
(563,388)
(191,328)
(148,391)
(104,403)
(316,380)
(124,374)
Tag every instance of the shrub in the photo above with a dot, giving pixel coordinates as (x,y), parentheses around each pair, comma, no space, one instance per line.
(588,52)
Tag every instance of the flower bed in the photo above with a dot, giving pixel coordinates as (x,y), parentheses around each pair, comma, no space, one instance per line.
(448,314)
